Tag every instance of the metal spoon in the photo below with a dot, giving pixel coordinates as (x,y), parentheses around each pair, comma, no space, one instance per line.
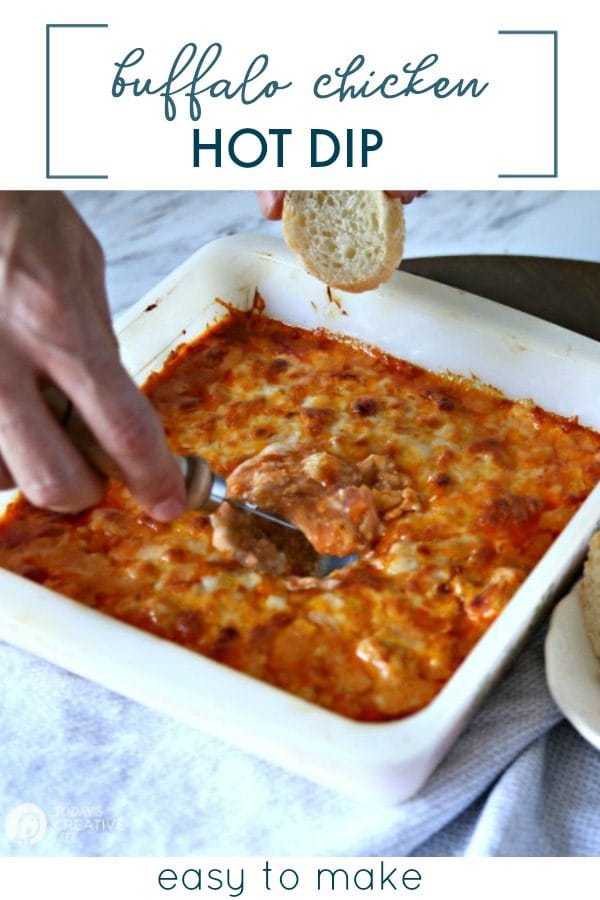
(206,490)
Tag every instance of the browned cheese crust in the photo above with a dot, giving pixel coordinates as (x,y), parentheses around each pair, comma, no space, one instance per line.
(451,492)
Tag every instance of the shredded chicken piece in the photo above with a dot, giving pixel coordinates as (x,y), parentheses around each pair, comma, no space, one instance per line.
(328,470)
(393,504)
(380,473)
(391,492)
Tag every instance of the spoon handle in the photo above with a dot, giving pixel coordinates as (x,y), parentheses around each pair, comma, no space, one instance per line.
(205,489)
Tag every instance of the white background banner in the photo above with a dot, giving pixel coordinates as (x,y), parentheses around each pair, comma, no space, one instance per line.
(258,878)
(335,94)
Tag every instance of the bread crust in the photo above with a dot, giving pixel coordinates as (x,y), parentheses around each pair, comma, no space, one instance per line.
(590,594)
(351,240)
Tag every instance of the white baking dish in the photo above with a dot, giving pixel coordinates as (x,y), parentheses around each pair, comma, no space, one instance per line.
(430,324)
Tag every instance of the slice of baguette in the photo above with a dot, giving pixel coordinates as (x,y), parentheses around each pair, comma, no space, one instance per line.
(351,240)
(590,594)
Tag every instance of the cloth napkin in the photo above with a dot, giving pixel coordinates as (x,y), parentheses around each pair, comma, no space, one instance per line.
(109,777)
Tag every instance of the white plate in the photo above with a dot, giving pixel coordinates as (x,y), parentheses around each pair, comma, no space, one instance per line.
(573,670)
(427,323)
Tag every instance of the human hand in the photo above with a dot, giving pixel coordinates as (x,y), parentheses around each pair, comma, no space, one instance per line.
(55,326)
(271,202)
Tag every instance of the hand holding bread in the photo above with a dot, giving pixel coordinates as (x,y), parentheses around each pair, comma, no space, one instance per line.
(352,240)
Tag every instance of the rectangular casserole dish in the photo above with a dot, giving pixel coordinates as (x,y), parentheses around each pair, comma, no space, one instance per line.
(431,325)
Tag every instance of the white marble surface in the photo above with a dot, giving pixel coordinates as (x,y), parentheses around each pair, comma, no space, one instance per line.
(145,235)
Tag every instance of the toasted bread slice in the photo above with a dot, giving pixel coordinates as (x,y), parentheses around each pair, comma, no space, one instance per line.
(590,593)
(352,240)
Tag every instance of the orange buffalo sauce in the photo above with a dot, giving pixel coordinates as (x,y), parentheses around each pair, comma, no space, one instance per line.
(491,481)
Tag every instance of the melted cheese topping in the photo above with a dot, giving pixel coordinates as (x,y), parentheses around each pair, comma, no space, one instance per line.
(490,484)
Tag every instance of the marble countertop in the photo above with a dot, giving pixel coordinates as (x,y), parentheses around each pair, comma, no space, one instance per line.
(146,234)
